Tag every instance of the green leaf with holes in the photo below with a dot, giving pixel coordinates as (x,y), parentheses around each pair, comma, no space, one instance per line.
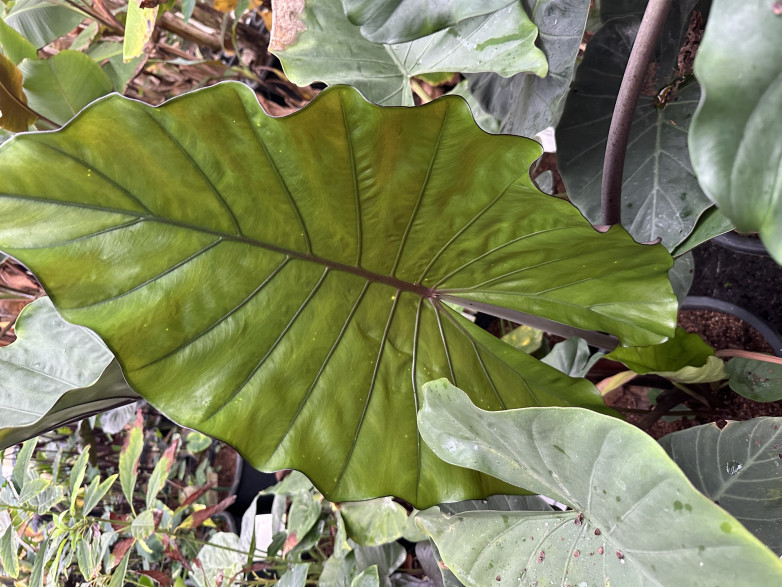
(53,373)
(276,282)
(315,41)
(735,145)
(739,467)
(635,518)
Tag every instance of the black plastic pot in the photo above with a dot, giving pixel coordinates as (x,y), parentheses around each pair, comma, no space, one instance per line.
(741,244)
(247,483)
(771,336)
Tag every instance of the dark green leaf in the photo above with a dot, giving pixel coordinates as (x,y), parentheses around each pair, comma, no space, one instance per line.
(41,21)
(736,150)
(54,372)
(710,224)
(739,467)
(636,519)
(396,21)
(252,301)
(60,86)
(661,197)
(525,103)
(681,275)
(316,42)
(760,381)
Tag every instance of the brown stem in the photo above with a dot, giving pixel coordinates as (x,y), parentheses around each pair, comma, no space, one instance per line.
(632,81)
(665,403)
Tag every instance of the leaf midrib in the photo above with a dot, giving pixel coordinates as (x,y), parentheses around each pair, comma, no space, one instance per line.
(389,280)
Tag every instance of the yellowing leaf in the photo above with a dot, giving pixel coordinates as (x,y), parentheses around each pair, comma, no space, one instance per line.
(14,114)
(138,29)
(225,5)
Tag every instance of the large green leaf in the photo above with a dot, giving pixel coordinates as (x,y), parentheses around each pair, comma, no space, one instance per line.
(735,140)
(42,21)
(525,103)
(277,282)
(14,45)
(739,468)
(54,372)
(636,519)
(396,21)
(660,193)
(316,42)
(60,86)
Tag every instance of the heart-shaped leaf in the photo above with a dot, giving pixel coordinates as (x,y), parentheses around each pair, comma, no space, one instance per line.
(53,373)
(635,519)
(525,103)
(661,197)
(315,41)
(760,381)
(277,282)
(396,21)
(736,150)
(739,467)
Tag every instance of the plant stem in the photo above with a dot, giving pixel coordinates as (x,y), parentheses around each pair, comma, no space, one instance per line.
(637,66)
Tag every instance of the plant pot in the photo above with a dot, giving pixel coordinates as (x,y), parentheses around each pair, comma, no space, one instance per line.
(741,243)
(763,328)
(247,483)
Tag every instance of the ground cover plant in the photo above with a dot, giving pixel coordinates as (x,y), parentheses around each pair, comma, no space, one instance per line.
(295,286)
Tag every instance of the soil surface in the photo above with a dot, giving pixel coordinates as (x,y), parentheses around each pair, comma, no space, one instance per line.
(750,281)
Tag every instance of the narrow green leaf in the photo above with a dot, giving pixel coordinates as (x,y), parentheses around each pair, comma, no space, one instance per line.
(14,45)
(19,474)
(58,87)
(32,488)
(335,231)
(139,25)
(14,113)
(143,526)
(41,21)
(118,576)
(77,476)
(710,224)
(760,381)
(374,522)
(396,21)
(366,578)
(84,558)
(53,373)
(303,514)
(96,491)
(160,473)
(42,556)
(636,519)
(84,39)
(129,458)
(8,552)
(739,467)
(315,41)
(734,141)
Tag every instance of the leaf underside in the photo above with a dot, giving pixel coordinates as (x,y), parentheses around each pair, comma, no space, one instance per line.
(274,282)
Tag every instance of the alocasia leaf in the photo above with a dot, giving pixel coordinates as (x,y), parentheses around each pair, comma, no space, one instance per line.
(739,467)
(54,372)
(277,282)
(735,144)
(396,21)
(661,197)
(315,41)
(760,381)
(635,518)
(525,103)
